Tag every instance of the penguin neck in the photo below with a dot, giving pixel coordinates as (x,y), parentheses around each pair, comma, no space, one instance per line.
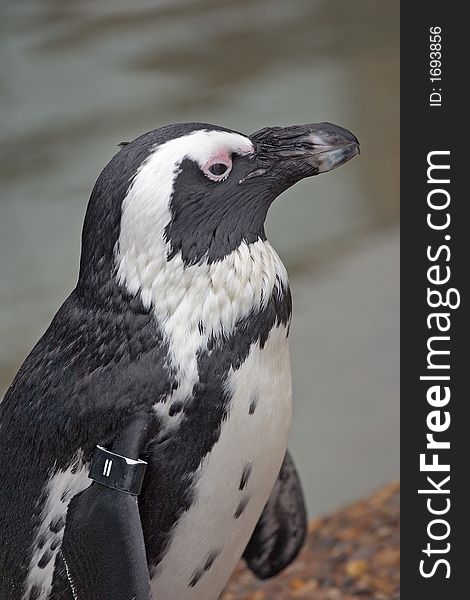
(209,297)
(196,305)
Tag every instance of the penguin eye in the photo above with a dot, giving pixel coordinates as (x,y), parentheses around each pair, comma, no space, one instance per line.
(218,168)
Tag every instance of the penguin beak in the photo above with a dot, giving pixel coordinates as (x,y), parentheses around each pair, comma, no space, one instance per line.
(330,146)
(292,153)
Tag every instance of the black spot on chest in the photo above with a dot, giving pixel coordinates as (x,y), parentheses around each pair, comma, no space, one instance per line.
(45,559)
(175,408)
(198,573)
(57,524)
(245,476)
(241,507)
(253,404)
(168,490)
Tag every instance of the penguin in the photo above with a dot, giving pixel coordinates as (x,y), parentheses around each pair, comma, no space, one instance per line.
(143,442)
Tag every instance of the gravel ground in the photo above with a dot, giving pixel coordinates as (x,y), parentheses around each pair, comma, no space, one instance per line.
(352,554)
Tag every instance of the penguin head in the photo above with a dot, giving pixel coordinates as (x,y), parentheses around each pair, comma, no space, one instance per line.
(194,192)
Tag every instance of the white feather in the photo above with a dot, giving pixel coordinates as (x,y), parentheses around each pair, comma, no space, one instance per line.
(59,490)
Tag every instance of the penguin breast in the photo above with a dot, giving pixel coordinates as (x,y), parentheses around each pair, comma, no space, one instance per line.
(235,479)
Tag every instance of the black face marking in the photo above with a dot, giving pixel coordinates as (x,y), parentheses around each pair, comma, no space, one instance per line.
(207,565)
(253,403)
(241,507)
(210,219)
(245,476)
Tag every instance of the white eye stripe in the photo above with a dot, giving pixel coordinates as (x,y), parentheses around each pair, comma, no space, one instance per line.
(200,146)
(217,148)
(203,146)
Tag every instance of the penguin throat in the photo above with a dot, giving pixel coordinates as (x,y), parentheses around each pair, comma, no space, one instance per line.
(194,305)
(209,297)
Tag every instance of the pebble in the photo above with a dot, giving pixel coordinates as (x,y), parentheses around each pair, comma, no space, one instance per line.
(356,568)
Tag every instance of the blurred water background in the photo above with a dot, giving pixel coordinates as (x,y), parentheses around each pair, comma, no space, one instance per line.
(80,76)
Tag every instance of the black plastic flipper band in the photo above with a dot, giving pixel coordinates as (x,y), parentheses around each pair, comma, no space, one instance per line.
(117,472)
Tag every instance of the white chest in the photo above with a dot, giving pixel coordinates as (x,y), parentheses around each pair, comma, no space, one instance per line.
(194,304)
(235,479)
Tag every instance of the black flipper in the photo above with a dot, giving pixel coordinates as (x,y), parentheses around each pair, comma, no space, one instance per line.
(103,546)
(282,527)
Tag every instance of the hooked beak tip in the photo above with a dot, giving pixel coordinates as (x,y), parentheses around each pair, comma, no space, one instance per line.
(331,146)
